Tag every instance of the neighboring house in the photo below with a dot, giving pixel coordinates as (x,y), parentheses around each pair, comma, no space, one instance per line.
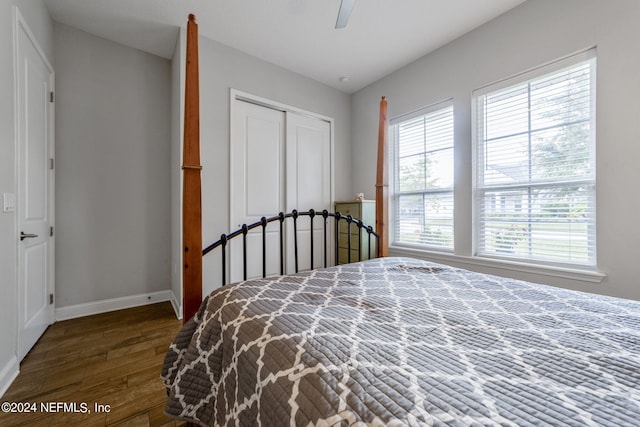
(118,136)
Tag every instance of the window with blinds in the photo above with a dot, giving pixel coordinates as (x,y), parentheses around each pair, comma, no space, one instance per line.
(423,179)
(535,165)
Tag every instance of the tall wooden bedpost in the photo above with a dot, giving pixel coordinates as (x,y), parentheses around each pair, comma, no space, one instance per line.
(382,183)
(191,199)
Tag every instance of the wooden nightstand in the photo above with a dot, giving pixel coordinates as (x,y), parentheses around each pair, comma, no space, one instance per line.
(364,210)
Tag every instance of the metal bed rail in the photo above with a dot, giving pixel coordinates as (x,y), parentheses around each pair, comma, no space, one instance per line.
(294,215)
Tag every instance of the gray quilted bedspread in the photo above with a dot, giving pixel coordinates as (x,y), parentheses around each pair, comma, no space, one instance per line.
(398,342)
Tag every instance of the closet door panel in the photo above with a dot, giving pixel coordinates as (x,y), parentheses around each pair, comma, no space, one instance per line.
(308,177)
(280,161)
(257,184)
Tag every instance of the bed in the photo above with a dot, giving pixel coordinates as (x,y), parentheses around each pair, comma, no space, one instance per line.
(397,341)
(392,341)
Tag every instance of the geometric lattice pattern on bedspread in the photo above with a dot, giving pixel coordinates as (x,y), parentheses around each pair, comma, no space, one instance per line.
(399,341)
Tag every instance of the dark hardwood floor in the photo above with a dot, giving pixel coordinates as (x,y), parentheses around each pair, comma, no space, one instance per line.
(109,359)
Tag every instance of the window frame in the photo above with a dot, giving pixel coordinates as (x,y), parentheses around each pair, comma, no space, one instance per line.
(588,56)
(394,176)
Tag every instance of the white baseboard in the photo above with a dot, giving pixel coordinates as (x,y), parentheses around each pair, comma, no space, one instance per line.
(8,374)
(177,307)
(103,306)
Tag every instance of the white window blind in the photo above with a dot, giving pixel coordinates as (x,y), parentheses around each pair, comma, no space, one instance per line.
(535,165)
(423,178)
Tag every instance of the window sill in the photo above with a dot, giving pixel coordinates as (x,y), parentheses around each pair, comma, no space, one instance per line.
(520,267)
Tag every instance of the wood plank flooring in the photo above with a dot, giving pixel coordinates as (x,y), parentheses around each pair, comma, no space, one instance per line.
(108,359)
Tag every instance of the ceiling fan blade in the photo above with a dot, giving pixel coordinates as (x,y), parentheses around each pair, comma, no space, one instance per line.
(346,6)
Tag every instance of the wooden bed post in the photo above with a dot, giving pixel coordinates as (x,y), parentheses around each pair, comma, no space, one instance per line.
(191,198)
(382,184)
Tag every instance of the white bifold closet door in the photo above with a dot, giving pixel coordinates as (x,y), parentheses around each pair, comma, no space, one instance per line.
(280,161)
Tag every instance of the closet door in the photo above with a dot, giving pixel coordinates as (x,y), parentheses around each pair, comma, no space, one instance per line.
(308,185)
(280,161)
(257,184)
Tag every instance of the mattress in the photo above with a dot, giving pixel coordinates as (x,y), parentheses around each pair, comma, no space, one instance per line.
(399,341)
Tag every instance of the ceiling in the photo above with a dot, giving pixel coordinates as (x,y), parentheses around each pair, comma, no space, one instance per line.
(299,35)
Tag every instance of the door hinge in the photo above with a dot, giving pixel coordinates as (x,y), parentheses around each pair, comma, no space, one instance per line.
(50,298)
(52,164)
(51,231)
(51,96)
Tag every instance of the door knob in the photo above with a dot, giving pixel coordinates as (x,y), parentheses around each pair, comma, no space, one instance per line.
(26,236)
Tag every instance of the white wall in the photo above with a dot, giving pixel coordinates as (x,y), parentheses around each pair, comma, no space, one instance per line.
(534,33)
(223,68)
(37,17)
(113,189)
(177,132)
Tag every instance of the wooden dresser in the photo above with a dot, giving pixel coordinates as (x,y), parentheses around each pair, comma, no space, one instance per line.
(364,210)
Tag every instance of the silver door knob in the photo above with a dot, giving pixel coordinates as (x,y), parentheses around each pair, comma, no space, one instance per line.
(26,236)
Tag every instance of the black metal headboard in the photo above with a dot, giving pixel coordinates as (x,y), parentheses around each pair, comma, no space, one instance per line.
(281,217)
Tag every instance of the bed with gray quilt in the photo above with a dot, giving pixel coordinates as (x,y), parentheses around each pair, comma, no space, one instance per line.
(398,341)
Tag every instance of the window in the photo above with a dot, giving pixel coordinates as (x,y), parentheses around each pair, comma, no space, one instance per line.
(535,165)
(423,178)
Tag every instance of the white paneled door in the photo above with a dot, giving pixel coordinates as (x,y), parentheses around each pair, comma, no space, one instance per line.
(34,113)
(308,184)
(257,183)
(280,161)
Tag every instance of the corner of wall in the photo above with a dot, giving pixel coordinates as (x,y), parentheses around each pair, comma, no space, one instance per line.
(8,373)
(177,108)
(176,304)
